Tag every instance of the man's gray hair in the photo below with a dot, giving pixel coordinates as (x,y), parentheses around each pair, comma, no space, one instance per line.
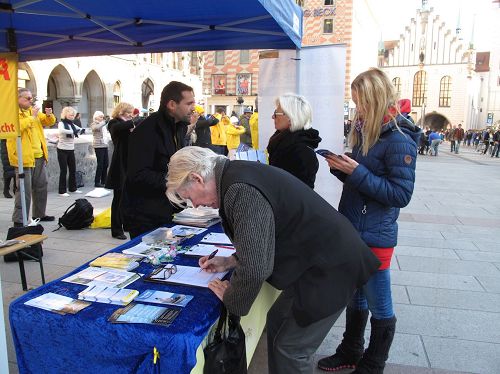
(183,164)
(298,109)
(22,90)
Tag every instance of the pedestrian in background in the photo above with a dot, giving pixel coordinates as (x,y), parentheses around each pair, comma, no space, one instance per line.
(35,158)
(100,147)
(378,179)
(202,128)
(9,172)
(120,126)
(68,131)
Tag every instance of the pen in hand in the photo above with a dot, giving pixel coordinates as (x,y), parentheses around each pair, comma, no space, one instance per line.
(212,255)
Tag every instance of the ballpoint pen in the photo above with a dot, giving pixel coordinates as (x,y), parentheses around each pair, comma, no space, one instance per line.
(212,255)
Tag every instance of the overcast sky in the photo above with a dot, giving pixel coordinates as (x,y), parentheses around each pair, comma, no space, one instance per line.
(396,14)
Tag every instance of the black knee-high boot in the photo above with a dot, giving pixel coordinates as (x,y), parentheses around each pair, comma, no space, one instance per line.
(351,349)
(377,353)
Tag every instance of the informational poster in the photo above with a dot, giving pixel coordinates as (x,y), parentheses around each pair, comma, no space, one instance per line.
(244,84)
(9,111)
(219,84)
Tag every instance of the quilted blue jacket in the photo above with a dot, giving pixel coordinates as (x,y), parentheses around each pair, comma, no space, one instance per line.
(381,184)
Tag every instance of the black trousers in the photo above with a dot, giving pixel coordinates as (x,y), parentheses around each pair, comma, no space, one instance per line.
(102,165)
(116,216)
(66,159)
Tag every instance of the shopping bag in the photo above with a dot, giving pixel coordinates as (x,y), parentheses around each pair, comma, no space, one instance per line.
(102,220)
(33,252)
(227,352)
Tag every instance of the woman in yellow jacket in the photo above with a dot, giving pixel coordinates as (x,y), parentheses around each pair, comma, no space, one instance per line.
(254,129)
(218,132)
(233,132)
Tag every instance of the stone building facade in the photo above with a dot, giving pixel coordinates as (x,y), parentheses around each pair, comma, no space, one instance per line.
(99,83)
(440,71)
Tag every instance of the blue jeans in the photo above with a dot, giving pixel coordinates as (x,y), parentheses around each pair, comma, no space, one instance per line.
(375,295)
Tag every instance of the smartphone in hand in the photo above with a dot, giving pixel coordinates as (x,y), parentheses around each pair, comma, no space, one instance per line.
(326,152)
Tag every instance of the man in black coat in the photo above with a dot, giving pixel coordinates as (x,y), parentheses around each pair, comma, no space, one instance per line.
(144,204)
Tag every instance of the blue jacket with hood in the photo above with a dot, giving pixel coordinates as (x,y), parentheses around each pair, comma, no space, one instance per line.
(381,184)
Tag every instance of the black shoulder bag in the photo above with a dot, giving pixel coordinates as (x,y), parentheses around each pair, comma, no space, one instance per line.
(227,352)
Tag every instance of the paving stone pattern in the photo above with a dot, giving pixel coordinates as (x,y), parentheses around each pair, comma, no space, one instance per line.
(445,273)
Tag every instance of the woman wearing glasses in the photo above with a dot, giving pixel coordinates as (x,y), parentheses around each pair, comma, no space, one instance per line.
(284,234)
(291,147)
(378,180)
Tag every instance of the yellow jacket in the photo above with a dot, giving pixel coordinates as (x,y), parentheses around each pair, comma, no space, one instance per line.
(218,132)
(28,124)
(254,129)
(233,136)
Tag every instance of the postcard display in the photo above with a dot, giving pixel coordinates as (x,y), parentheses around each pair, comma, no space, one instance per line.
(175,309)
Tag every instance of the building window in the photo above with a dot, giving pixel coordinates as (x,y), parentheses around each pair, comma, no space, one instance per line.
(117,93)
(156,58)
(445,91)
(328,26)
(397,84)
(219,57)
(195,63)
(219,84)
(243,84)
(245,56)
(329,2)
(419,89)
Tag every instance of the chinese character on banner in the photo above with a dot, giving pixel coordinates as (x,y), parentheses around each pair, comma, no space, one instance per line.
(9,110)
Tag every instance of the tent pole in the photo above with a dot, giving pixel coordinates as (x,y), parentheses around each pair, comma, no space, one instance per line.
(297,71)
(20,167)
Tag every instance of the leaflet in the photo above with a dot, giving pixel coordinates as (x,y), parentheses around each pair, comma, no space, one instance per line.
(57,303)
(206,249)
(103,277)
(141,313)
(162,297)
(216,238)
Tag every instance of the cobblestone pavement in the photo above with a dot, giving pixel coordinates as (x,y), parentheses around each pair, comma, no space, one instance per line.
(445,273)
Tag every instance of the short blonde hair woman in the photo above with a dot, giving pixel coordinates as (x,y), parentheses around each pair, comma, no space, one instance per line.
(292,146)
(122,109)
(68,131)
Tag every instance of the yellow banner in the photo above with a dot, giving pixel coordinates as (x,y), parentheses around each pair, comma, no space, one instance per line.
(9,108)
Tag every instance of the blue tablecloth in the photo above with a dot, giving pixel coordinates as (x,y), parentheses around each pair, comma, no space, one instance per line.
(86,342)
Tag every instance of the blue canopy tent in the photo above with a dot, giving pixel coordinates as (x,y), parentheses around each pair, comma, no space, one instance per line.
(42,29)
(47,29)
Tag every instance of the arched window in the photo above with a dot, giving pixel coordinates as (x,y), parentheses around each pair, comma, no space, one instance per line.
(445,91)
(117,93)
(419,89)
(397,84)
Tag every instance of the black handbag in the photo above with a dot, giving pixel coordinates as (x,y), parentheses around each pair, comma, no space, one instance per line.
(227,352)
(33,252)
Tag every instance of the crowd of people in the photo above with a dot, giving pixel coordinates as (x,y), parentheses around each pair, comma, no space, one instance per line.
(484,141)
(179,155)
